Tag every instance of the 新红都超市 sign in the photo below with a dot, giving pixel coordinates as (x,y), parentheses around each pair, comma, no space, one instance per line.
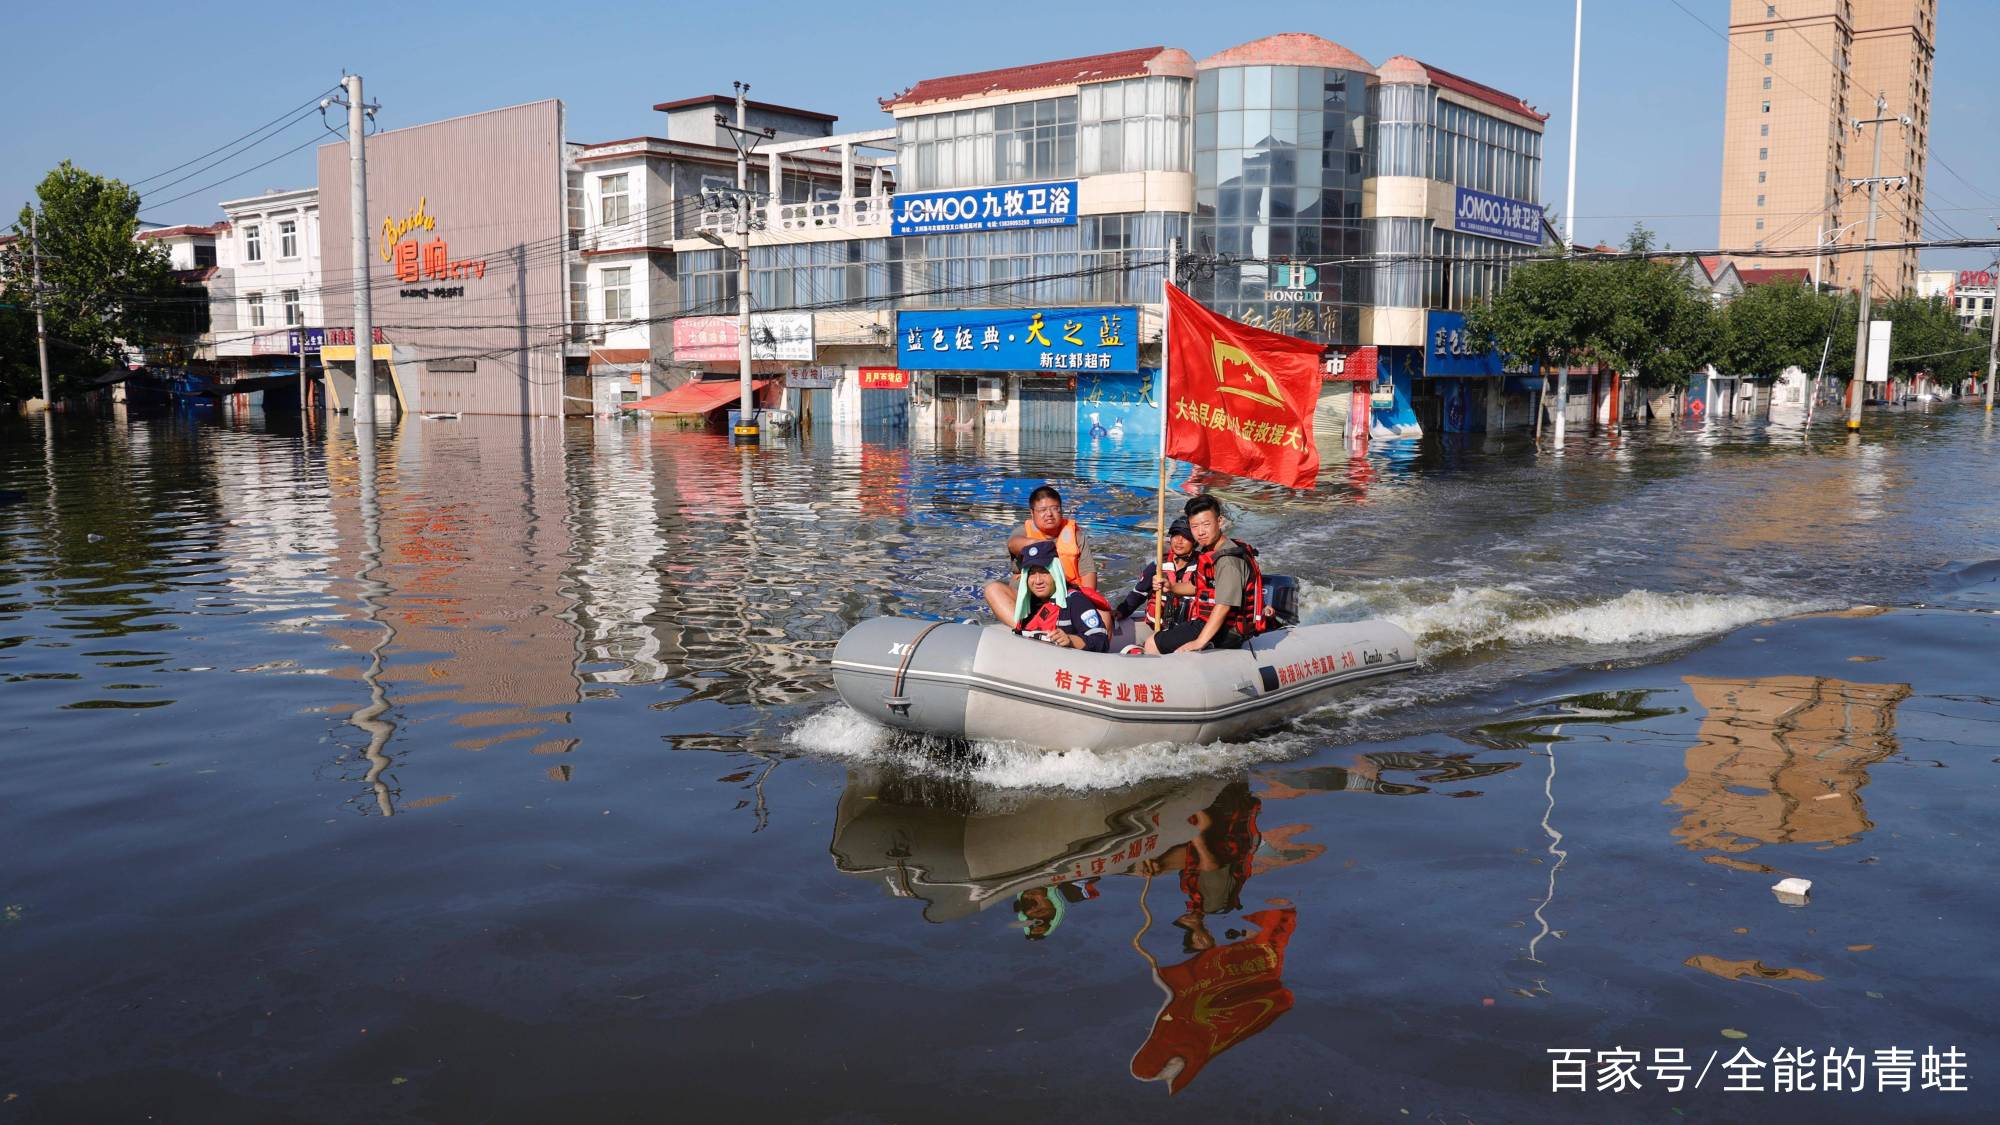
(1475,212)
(1451,350)
(1013,207)
(1028,339)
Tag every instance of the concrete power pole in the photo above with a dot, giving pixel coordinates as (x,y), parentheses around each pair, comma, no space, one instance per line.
(364,310)
(1858,389)
(42,330)
(745,139)
(1992,337)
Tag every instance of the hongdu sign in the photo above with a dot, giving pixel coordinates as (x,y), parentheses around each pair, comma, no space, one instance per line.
(1016,207)
(1476,212)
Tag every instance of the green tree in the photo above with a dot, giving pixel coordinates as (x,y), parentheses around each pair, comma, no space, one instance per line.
(1928,337)
(1768,328)
(1547,312)
(1654,325)
(103,292)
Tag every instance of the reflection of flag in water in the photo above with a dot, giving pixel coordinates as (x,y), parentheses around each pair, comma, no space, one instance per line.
(1220,998)
(1241,399)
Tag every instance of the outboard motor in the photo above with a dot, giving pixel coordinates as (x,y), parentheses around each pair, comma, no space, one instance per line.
(1281,599)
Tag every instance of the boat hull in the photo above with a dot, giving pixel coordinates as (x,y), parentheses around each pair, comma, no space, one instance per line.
(985,683)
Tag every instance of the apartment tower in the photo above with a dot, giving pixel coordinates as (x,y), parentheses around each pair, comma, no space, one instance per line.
(1799,72)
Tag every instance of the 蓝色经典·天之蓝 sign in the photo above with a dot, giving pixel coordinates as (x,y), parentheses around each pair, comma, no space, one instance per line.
(1024,339)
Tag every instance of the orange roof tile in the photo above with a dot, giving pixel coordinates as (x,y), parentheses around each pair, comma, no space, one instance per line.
(1043,75)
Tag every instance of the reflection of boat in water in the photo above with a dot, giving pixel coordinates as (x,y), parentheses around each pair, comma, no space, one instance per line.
(963,856)
(969,681)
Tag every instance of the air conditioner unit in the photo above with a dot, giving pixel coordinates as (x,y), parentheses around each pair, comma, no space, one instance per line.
(992,389)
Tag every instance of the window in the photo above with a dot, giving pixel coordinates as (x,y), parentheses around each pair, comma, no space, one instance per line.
(1759,245)
(579,297)
(1767,81)
(1767,58)
(1770,36)
(1767,107)
(614,205)
(1763,130)
(1761,175)
(1763,154)
(618,293)
(291,299)
(288,240)
(1760,224)
(255,301)
(717,183)
(253,243)
(1760,201)
(1002,144)
(1138,125)
(1770,11)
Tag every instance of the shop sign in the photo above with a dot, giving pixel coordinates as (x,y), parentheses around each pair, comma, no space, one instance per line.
(1450,350)
(1878,349)
(1291,282)
(812,378)
(314,338)
(336,337)
(1975,279)
(1052,340)
(1357,363)
(773,336)
(418,258)
(1497,217)
(999,208)
(884,379)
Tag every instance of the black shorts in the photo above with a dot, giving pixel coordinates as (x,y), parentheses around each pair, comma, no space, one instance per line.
(1174,636)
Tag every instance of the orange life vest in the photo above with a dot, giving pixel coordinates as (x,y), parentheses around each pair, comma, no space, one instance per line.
(1248,619)
(1069,546)
(1048,619)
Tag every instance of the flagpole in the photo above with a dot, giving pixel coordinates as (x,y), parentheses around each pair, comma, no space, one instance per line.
(1160,527)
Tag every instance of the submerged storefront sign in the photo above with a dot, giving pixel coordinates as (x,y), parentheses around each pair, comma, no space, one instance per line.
(1449,350)
(999,208)
(1476,212)
(1100,339)
(773,336)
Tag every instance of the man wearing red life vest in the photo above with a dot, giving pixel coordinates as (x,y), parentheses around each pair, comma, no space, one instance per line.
(1047,607)
(1045,523)
(1227,590)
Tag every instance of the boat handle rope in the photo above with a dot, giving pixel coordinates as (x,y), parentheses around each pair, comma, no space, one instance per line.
(895,699)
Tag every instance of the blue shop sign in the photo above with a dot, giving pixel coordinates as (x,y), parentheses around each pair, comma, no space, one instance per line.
(1016,207)
(1450,350)
(1497,217)
(1030,339)
(314,338)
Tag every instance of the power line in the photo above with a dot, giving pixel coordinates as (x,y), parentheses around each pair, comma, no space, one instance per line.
(307,104)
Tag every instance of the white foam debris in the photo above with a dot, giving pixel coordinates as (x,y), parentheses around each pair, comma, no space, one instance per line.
(1793,891)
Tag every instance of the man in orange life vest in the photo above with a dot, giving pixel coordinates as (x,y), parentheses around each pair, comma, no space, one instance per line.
(1228,588)
(1045,523)
(1046,606)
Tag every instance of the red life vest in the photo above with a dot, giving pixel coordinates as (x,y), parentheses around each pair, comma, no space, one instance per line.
(1048,619)
(1248,619)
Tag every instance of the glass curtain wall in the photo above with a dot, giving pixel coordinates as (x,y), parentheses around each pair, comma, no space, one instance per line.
(1279,162)
(1004,144)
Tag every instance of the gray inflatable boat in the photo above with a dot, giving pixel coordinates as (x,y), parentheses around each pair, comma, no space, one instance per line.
(983,682)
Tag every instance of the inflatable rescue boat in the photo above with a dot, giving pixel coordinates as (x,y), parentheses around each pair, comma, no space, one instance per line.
(985,682)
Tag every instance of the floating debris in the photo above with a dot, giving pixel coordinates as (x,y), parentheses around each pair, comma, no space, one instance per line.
(1793,891)
(1737,970)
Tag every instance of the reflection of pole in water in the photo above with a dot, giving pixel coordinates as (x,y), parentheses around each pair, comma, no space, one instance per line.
(368,719)
(1555,848)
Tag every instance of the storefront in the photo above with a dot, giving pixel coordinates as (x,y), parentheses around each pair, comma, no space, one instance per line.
(468,263)
(1021,371)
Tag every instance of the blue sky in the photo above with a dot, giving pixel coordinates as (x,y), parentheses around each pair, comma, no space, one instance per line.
(131,89)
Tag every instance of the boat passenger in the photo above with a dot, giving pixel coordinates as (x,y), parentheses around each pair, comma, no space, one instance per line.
(1046,606)
(1045,523)
(1180,566)
(1227,590)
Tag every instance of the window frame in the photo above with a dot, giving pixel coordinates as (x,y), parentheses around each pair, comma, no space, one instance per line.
(253,242)
(286,236)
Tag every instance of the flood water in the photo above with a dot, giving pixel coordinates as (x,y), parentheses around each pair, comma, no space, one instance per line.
(491,771)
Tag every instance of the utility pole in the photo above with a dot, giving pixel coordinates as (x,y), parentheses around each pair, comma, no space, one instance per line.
(42,330)
(1858,388)
(358,114)
(1992,338)
(1575,85)
(745,140)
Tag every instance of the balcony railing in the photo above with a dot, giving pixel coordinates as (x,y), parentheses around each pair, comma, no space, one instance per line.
(866,214)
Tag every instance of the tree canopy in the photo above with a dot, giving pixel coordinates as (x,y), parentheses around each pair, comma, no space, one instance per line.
(103,292)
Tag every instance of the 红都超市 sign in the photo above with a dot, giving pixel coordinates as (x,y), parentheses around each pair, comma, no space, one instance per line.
(1475,212)
(1016,206)
(1027,339)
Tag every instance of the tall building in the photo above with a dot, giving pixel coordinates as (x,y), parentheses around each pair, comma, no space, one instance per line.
(1799,73)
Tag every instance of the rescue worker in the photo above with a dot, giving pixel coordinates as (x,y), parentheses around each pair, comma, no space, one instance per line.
(1045,523)
(1180,566)
(1045,605)
(1227,589)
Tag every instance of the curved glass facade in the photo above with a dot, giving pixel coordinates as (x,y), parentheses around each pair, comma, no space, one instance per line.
(1280,154)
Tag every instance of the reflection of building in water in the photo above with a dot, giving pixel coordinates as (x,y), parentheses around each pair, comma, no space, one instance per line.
(474,543)
(1782,760)
(628,631)
(278,528)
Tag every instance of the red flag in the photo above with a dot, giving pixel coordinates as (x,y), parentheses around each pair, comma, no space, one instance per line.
(1241,398)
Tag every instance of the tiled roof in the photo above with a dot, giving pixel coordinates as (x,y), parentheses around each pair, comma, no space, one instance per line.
(1484,93)
(184,230)
(1713,263)
(1041,76)
(1290,48)
(1797,275)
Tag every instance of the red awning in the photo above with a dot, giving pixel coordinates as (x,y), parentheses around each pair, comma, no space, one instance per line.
(697,398)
